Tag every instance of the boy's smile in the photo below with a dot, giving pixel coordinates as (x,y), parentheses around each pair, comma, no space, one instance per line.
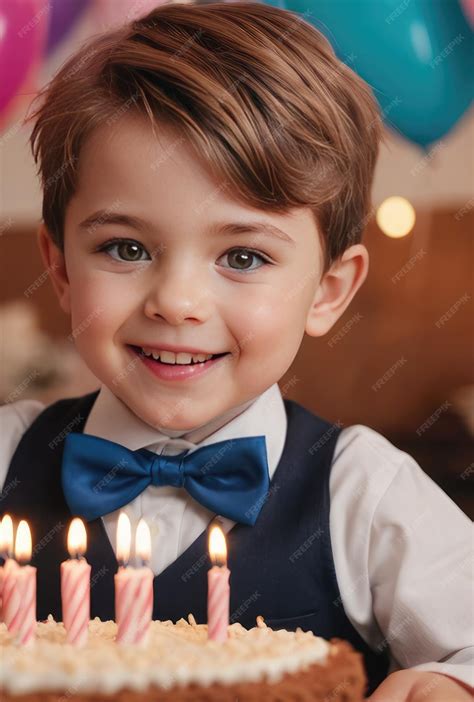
(159,256)
(175,364)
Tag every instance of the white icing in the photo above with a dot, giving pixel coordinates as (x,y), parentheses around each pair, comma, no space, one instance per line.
(175,654)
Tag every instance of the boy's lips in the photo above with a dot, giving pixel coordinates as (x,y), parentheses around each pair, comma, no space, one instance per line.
(175,371)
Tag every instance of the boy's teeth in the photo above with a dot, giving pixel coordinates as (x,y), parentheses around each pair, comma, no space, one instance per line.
(175,358)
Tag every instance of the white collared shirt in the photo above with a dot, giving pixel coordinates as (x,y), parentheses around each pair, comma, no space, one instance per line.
(402,549)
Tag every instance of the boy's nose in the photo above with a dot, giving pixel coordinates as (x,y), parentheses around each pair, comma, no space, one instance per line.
(176,298)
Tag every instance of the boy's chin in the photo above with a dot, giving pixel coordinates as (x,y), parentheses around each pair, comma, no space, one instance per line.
(174,420)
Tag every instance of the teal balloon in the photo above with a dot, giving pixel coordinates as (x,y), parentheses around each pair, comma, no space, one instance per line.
(417,56)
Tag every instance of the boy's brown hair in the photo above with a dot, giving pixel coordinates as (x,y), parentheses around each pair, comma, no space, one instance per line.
(256,89)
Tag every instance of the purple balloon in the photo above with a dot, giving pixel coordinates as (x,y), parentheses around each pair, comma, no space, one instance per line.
(63,16)
(24,26)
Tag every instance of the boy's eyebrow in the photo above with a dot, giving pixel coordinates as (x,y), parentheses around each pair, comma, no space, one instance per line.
(108,217)
(264,228)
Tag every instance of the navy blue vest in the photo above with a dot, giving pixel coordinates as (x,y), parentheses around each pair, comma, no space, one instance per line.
(281,568)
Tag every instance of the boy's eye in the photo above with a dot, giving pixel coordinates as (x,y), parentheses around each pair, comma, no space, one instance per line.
(126,250)
(241,259)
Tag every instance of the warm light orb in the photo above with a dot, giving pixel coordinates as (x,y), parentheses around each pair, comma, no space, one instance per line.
(23,542)
(76,538)
(396,217)
(124,538)
(6,535)
(143,541)
(217,546)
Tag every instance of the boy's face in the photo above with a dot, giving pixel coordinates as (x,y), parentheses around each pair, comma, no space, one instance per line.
(177,280)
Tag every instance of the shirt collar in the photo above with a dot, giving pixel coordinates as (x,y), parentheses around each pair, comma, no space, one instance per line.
(264,416)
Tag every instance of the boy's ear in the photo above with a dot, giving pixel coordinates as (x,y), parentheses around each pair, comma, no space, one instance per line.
(53,259)
(336,289)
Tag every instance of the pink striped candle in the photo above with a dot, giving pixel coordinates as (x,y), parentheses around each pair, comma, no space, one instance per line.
(5,571)
(218,589)
(6,552)
(133,586)
(19,591)
(75,586)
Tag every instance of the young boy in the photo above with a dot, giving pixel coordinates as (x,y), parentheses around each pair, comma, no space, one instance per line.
(207,173)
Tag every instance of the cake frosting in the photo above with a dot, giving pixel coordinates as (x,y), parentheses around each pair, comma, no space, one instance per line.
(175,654)
(178,663)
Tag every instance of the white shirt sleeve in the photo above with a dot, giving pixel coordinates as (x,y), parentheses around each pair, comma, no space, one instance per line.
(403,556)
(15,418)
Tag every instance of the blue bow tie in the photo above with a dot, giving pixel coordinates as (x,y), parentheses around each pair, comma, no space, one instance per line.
(230,477)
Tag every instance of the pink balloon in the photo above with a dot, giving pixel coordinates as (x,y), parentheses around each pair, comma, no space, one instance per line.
(23,30)
(113,13)
(468,7)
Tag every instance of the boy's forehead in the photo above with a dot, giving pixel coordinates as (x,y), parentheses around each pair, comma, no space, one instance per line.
(130,154)
(130,167)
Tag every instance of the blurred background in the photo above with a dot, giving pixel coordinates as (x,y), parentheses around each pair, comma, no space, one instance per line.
(401,358)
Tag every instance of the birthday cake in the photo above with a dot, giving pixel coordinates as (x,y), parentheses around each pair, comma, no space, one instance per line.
(178,663)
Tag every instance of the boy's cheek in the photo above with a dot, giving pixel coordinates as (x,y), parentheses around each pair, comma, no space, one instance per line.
(267,320)
(100,307)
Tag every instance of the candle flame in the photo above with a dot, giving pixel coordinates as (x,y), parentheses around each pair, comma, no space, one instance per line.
(143,541)
(124,538)
(23,542)
(217,546)
(76,538)
(6,535)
